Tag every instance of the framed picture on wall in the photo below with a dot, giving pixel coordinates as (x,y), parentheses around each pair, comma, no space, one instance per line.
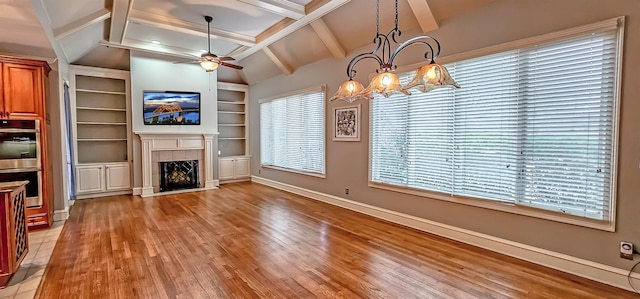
(346,121)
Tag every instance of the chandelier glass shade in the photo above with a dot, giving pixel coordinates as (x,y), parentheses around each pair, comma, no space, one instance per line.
(386,82)
(351,91)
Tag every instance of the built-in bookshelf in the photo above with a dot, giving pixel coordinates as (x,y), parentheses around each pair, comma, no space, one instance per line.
(233,142)
(100,104)
(232,119)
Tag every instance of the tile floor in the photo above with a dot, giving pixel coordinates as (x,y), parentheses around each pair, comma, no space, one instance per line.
(25,282)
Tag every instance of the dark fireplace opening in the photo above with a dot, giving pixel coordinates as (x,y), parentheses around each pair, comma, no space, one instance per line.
(176,175)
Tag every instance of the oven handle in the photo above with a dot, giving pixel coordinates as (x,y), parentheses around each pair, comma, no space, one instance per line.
(14,170)
(19,130)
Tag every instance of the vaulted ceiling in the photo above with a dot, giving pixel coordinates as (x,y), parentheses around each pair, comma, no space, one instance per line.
(268,37)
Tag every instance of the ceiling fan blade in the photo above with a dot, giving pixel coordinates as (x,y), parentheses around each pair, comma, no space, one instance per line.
(231,65)
(226,58)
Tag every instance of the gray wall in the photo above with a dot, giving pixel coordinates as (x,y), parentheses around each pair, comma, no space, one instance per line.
(498,22)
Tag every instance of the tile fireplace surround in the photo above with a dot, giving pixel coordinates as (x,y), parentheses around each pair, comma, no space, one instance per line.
(163,144)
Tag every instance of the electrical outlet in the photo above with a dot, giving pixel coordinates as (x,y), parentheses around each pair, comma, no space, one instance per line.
(626,250)
(346,190)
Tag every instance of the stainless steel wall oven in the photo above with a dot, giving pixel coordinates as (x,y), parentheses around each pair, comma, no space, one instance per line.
(20,157)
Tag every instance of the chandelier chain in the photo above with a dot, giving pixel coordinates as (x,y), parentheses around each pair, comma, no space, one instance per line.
(377,17)
(396,15)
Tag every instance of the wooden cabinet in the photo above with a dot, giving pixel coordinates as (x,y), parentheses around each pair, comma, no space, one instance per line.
(100,103)
(14,243)
(234,169)
(23,91)
(233,142)
(24,83)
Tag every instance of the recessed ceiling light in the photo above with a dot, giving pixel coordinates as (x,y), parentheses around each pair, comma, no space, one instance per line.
(155,42)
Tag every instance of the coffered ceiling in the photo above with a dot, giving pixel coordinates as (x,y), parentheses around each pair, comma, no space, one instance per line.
(275,36)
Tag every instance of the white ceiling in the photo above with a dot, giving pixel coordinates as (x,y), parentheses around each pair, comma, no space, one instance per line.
(271,36)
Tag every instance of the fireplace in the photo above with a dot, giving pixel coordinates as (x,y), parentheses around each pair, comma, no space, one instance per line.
(165,147)
(176,175)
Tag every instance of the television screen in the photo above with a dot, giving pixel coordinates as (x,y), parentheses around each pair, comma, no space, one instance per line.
(171,108)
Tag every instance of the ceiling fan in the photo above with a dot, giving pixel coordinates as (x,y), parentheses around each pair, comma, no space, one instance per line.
(209,61)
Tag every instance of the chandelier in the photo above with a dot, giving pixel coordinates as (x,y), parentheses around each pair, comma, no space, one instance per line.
(386,82)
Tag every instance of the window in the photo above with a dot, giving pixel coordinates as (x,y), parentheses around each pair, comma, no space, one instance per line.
(530,127)
(292,132)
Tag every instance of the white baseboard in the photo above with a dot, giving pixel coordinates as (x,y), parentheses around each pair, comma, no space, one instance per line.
(234,181)
(595,271)
(60,215)
(104,194)
(137,190)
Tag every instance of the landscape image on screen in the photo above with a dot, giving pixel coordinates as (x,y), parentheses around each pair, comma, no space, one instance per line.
(171,108)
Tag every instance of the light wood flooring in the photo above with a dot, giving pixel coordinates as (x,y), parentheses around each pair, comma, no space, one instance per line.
(246,240)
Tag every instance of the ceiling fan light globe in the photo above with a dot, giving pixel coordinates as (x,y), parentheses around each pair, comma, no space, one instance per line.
(209,66)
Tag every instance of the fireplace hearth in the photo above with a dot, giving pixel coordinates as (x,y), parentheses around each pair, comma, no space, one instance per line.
(176,175)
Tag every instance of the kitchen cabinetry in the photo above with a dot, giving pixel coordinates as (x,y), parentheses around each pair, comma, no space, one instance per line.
(14,244)
(23,91)
(24,83)
(100,102)
(233,143)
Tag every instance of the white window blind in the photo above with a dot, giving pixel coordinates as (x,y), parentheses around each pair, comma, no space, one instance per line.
(531,127)
(292,132)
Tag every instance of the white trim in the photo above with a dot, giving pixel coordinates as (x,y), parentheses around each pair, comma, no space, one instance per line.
(105,194)
(60,215)
(178,191)
(83,23)
(616,122)
(238,180)
(508,207)
(313,174)
(584,268)
(137,190)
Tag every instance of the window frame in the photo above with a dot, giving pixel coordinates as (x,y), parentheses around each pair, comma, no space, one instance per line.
(607,224)
(323,90)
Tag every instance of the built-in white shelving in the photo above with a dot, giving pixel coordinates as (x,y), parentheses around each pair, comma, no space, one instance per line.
(233,147)
(101,102)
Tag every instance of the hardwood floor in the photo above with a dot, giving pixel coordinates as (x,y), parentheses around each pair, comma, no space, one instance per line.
(251,241)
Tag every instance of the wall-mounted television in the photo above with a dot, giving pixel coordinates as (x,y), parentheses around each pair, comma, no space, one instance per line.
(171,107)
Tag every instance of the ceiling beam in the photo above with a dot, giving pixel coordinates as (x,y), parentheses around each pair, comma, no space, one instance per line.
(73,27)
(176,25)
(237,50)
(277,61)
(283,8)
(276,33)
(45,22)
(423,14)
(148,47)
(328,38)
(119,20)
